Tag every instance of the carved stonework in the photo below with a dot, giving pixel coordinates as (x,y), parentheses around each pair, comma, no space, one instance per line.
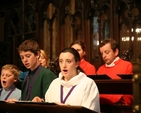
(30,23)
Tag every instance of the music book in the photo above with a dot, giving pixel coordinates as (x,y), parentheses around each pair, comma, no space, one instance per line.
(30,102)
(125,76)
(98,76)
(1,101)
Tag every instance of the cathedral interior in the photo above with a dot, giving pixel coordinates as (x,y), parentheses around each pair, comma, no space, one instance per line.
(54,24)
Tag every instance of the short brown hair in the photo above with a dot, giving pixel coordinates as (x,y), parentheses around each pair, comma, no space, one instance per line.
(79,42)
(29,45)
(111,41)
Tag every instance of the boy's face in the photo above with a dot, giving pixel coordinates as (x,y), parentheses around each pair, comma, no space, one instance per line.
(29,59)
(7,79)
(108,54)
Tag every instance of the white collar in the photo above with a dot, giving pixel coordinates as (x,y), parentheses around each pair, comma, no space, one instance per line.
(113,63)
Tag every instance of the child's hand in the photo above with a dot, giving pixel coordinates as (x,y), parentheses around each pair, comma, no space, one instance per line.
(12,100)
(61,103)
(37,99)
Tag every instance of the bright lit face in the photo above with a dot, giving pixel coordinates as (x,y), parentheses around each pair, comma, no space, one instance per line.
(68,65)
(108,54)
(79,49)
(7,79)
(29,59)
(43,61)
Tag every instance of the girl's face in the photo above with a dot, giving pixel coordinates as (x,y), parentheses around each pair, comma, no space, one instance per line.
(7,79)
(43,61)
(68,65)
(79,49)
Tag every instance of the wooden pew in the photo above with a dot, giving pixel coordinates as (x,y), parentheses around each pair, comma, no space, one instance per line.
(137,92)
(38,107)
(114,86)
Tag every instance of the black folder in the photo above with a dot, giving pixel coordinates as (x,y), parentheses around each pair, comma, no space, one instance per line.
(98,76)
(125,76)
(30,102)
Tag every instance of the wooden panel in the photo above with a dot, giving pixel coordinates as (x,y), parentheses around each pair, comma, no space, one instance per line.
(30,107)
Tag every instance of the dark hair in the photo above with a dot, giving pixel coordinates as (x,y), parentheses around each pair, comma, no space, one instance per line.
(112,42)
(73,51)
(79,42)
(75,54)
(29,45)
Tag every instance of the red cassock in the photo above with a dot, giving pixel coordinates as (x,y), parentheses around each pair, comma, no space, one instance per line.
(120,67)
